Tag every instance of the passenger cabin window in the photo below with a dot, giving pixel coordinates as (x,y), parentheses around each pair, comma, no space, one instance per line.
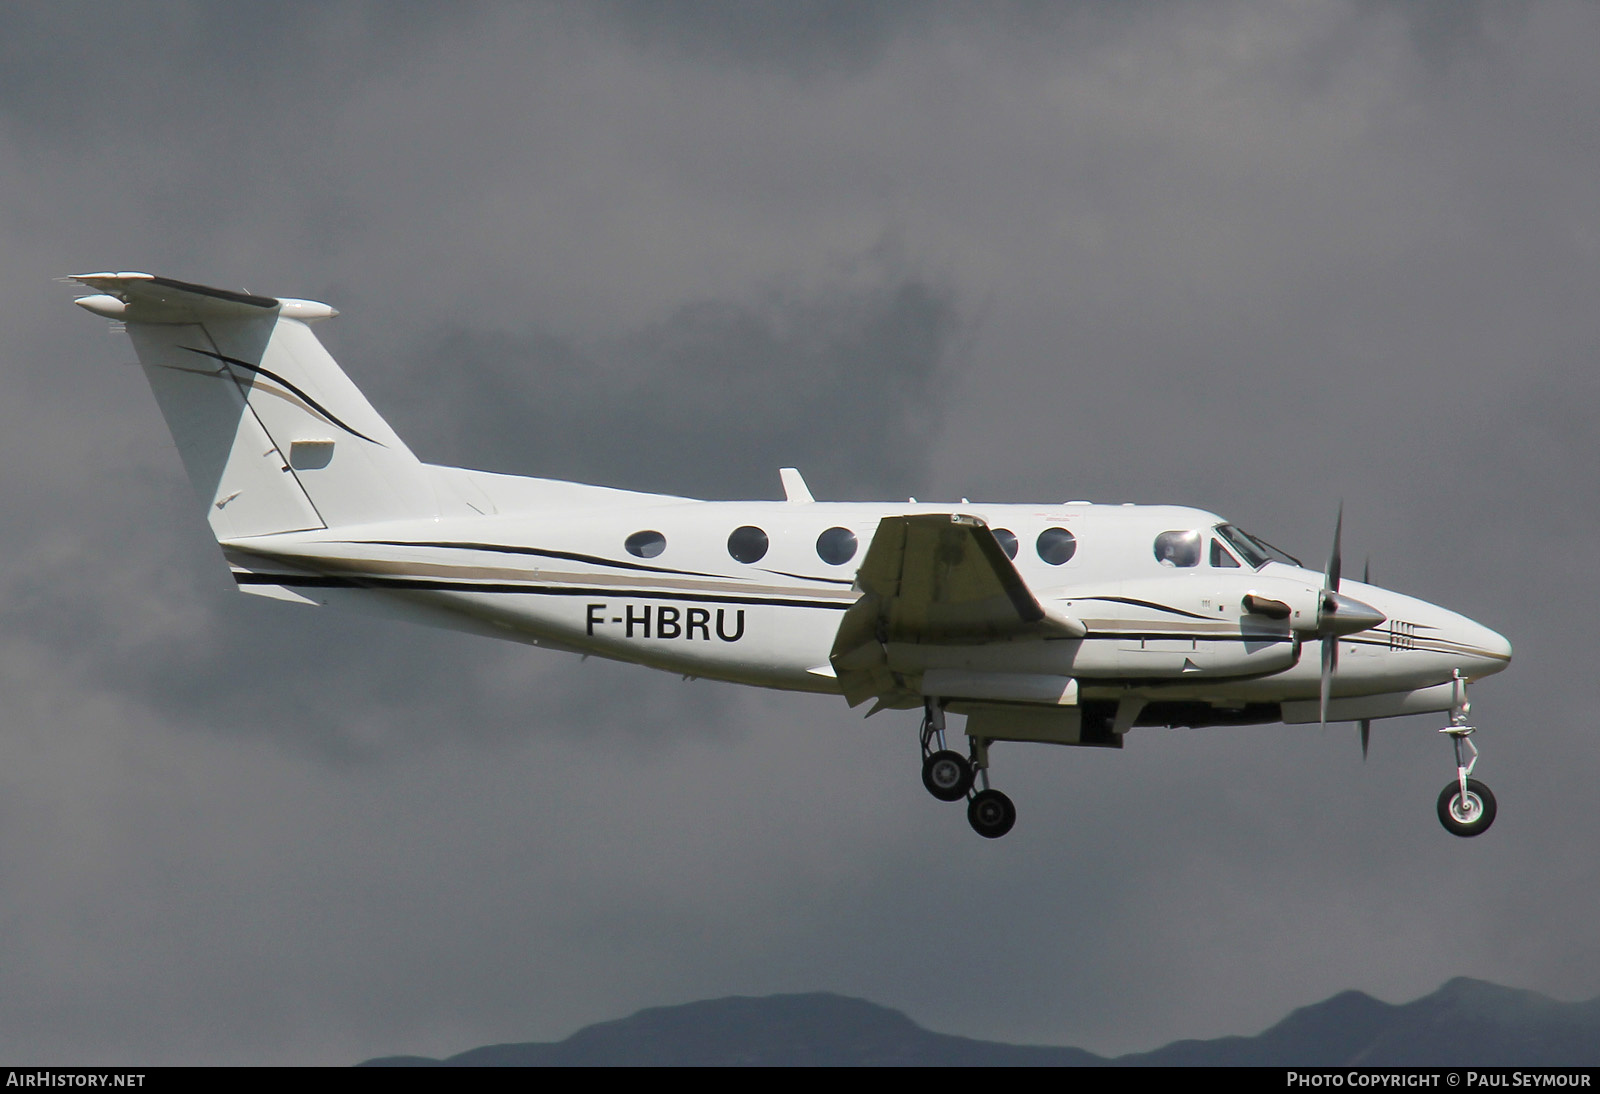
(1008,541)
(1056,545)
(645,544)
(836,546)
(1181,549)
(748,544)
(1220,558)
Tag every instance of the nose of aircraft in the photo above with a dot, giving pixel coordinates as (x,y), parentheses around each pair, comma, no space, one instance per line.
(1466,645)
(1485,651)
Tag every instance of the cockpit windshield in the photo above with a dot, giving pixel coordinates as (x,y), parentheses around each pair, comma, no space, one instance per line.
(1257,552)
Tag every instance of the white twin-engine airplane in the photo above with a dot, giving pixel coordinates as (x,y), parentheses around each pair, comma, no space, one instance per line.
(1066,623)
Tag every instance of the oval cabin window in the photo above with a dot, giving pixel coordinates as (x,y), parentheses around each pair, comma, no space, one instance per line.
(645,544)
(1057,545)
(748,544)
(836,546)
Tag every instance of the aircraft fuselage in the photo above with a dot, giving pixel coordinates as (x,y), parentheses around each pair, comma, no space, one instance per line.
(1169,633)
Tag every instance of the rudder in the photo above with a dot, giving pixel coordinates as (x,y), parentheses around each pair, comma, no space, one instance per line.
(274,436)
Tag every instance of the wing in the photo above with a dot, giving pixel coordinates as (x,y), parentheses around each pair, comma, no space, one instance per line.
(934,578)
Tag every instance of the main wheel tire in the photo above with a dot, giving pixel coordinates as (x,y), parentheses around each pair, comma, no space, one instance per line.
(1471,817)
(991,814)
(947,775)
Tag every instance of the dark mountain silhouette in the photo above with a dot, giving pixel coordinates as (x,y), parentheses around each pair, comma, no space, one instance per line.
(1464,1023)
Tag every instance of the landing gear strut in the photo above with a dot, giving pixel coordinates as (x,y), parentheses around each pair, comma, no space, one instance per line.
(949,776)
(1466,806)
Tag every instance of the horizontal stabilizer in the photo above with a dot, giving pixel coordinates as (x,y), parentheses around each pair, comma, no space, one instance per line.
(146,298)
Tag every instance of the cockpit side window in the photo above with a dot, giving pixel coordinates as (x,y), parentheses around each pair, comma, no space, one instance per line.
(1180,549)
(1256,552)
(1220,558)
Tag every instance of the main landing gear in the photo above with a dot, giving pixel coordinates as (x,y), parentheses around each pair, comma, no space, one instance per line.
(1466,806)
(949,776)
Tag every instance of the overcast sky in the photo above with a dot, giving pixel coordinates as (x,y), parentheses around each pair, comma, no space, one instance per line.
(1258,258)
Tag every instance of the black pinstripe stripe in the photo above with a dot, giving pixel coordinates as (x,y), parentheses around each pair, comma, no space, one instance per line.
(413,584)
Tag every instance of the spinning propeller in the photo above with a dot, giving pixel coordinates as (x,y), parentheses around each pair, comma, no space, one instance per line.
(1366,723)
(1339,615)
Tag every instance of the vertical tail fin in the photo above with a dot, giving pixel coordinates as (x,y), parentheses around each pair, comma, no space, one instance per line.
(273,434)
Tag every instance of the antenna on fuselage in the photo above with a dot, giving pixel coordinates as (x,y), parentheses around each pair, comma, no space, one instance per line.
(794,485)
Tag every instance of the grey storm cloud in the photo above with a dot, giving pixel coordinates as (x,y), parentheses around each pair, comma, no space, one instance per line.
(1254,258)
(845,382)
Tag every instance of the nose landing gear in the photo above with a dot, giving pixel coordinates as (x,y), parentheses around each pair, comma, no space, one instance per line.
(949,776)
(1466,806)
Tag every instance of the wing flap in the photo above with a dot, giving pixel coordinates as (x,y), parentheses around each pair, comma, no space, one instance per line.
(934,578)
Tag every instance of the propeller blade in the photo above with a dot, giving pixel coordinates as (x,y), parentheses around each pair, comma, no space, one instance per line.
(1331,581)
(1339,615)
(1330,662)
(1331,603)
(1366,737)
(1366,571)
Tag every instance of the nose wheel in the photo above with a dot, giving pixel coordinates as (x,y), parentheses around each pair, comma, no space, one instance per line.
(1466,806)
(1466,812)
(950,776)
